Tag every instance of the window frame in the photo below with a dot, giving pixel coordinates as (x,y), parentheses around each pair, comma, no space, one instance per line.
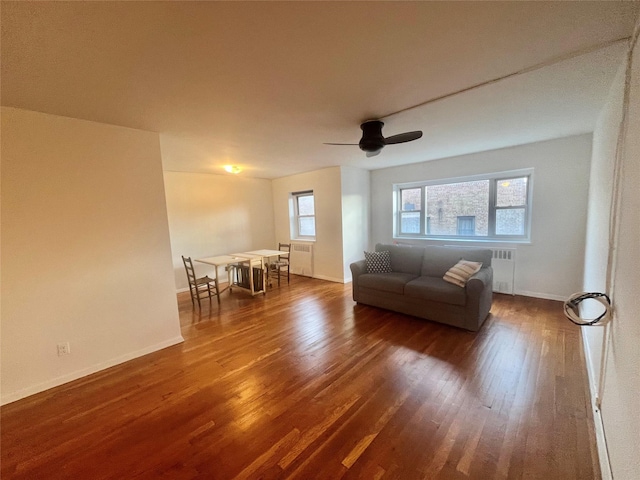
(419,211)
(295,196)
(494,179)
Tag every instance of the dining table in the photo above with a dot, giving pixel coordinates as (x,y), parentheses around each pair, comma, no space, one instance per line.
(248,273)
(243,268)
(268,254)
(220,261)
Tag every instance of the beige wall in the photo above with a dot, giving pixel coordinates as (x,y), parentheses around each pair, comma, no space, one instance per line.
(326,185)
(85,249)
(214,215)
(621,384)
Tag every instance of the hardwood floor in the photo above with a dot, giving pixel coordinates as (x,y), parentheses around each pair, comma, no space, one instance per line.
(302,383)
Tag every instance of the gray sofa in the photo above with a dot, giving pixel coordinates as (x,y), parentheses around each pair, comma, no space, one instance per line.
(415,285)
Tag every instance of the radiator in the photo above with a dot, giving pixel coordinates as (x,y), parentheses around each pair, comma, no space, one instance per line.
(301,259)
(504,269)
(503,262)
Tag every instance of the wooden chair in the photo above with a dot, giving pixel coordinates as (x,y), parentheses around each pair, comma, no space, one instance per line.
(279,266)
(200,288)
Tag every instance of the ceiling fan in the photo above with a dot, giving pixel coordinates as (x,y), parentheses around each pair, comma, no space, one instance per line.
(372,140)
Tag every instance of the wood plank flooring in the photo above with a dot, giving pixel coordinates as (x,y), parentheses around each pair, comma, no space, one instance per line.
(303,383)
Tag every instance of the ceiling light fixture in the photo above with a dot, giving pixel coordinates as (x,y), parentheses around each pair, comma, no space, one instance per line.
(232,168)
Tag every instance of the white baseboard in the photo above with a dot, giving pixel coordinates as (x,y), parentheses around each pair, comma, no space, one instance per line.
(601,441)
(54,382)
(546,296)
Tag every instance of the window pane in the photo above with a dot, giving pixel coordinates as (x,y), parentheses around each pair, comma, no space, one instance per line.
(511,192)
(306,205)
(307,226)
(411,199)
(445,203)
(510,221)
(410,222)
(466,226)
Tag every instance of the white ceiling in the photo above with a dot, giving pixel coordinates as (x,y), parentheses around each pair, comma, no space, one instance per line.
(263,84)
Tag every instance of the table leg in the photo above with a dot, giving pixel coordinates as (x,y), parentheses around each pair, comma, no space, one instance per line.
(217,285)
(253,290)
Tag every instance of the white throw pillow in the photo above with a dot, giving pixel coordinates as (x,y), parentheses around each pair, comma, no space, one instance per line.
(461,272)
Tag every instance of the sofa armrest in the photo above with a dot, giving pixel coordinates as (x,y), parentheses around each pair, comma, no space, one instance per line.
(479,298)
(357,269)
(481,280)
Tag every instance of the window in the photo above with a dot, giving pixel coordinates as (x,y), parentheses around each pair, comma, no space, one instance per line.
(466,226)
(410,210)
(511,206)
(492,207)
(304,224)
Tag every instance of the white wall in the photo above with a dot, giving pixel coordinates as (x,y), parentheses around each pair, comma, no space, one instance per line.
(552,265)
(605,138)
(326,185)
(621,393)
(355,216)
(85,249)
(215,215)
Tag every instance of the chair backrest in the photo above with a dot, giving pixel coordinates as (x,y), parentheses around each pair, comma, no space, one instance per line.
(191,273)
(285,247)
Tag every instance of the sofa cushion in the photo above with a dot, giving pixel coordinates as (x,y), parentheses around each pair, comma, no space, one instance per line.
(404,259)
(438,260)
(386,282)
(436,290)
(378,262)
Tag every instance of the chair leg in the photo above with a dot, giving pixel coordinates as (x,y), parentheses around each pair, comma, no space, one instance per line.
(193,302)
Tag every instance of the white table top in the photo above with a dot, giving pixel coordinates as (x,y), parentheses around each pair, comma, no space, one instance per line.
(246,255)
(221,260)
(268,253)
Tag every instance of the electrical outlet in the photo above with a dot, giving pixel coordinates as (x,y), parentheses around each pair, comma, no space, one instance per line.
(64,349)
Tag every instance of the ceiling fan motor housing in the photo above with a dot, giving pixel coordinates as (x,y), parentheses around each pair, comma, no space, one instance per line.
(372,139)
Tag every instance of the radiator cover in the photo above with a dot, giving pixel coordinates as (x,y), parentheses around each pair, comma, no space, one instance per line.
(301,259)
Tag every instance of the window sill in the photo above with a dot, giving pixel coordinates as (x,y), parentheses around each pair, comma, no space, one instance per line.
(465,240)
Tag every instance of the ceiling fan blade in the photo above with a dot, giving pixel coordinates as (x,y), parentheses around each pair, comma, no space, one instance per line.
(340,144)
(403,137)
(373,154)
